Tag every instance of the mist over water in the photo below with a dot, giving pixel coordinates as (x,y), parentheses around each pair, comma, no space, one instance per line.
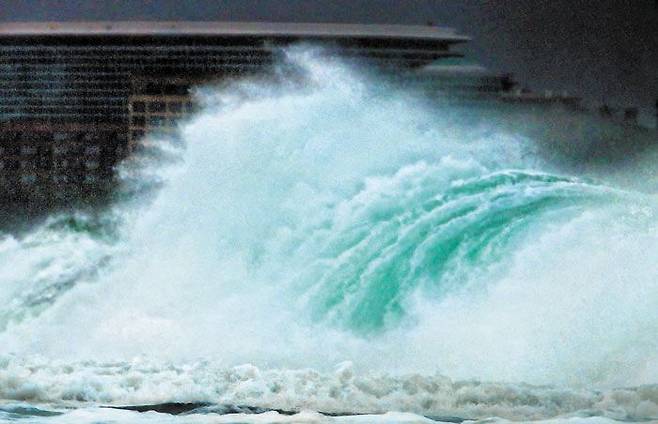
(305,222)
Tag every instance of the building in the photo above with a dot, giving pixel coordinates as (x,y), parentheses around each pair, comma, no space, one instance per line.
(76,98)
(461,80)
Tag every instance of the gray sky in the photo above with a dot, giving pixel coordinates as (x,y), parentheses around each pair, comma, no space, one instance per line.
(604,50)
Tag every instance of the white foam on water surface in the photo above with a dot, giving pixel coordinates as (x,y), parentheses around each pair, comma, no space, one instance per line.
(312,221)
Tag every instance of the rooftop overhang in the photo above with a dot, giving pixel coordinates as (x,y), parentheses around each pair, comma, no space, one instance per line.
(439,70)
(328,31)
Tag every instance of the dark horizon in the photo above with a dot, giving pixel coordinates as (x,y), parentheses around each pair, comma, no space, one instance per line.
(607,53)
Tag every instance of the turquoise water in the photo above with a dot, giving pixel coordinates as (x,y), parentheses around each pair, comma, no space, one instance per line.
(334,243)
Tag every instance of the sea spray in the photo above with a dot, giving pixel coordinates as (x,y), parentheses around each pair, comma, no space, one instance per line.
(336,217)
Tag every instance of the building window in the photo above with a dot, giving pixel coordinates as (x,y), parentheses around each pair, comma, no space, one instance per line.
(139,107)
(175,107)
(157,107)
(60,149)
(139,121)
(91,164)
(27,164)
(44,163)
(136,135)
(61,136)
(157,121)
(28,150)
(92,150)
(28,179)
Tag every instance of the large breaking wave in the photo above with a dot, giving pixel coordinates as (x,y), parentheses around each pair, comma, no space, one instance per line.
(335,218)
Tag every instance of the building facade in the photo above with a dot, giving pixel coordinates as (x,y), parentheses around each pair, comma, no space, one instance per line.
(77,98)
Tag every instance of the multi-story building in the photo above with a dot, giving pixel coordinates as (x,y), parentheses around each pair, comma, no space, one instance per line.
(76,98)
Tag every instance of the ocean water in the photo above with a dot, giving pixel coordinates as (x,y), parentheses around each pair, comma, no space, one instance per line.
(332,248)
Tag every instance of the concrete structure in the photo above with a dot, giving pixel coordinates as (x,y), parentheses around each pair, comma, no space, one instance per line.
(76,98)
(460,79)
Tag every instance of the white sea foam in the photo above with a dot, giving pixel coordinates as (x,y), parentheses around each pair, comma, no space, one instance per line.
(343,390)
(340,219)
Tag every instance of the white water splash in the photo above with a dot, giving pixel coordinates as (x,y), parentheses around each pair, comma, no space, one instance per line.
(283,187)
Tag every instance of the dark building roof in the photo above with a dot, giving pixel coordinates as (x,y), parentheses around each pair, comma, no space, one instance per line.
(85,72)
(228,29)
